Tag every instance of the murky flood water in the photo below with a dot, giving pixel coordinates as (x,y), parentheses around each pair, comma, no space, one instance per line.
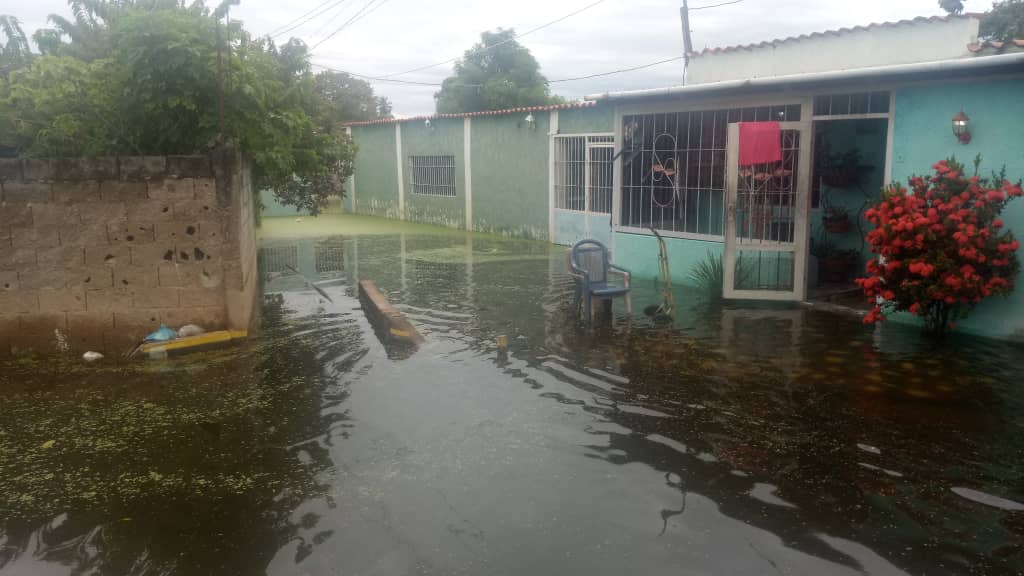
(737,441)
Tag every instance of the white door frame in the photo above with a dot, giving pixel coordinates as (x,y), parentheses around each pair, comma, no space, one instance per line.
(798,247)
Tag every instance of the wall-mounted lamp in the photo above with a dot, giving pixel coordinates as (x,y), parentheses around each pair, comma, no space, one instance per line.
(960,122)
(428,124)
(531,122)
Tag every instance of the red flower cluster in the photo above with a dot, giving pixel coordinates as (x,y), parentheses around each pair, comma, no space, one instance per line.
(941,244)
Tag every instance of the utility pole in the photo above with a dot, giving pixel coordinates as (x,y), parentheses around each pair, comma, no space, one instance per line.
(684,17)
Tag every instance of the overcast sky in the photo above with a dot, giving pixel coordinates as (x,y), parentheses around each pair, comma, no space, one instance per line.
(396,35)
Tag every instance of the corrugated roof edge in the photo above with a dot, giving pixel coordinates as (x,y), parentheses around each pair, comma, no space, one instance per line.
(521,110)
(836,32)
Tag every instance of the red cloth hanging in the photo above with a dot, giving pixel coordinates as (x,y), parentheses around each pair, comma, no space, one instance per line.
(760,143)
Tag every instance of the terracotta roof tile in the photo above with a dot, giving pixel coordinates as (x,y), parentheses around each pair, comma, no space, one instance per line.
(837,32)
(995,45)
(522,110)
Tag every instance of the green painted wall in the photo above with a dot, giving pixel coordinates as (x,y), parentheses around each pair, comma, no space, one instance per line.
(444,137)
(638,253)
(923,135)
(510,175)
(376,172)
(600,118)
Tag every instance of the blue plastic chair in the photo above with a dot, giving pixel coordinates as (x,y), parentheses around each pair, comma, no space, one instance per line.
(589,265)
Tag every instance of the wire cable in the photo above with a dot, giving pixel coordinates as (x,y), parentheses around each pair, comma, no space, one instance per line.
(716,5)
(620,71)
(492,46)
(281,30)
(348,22)
(557,81)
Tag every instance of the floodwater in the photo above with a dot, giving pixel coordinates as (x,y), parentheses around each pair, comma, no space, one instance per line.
(738,440)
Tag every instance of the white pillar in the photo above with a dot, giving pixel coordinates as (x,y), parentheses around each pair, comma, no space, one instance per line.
(552,131)
(467,160)
(351,179)
(398,162)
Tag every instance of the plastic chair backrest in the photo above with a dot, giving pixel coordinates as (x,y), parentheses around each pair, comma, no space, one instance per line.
(592,257)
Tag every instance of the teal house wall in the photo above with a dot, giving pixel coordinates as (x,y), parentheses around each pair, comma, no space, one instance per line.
(443,137)
(923,135)
(510,174)
(376,171)
(638,253)
(586,120)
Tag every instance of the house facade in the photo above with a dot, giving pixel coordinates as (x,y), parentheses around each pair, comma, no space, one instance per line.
(858,108)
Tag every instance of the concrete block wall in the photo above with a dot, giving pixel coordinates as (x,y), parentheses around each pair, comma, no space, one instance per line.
(103,250)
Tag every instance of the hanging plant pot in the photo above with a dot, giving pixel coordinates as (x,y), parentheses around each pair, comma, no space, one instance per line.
(836,224)
(839,178)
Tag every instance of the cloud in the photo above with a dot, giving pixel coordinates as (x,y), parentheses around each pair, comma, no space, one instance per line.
(404,34)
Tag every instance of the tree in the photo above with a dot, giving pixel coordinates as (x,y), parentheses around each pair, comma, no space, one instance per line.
(942,247)
(495,73)
(1005,21)
(345,98)
(384,107)
(148,79)
(14,50)
(952,6)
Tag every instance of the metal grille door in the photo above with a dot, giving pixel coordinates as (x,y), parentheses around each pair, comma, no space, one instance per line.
(766,220)
(582,185)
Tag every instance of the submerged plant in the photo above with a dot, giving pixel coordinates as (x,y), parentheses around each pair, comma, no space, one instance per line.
(708,275)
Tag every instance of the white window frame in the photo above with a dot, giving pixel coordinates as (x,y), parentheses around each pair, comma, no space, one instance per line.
(437,179)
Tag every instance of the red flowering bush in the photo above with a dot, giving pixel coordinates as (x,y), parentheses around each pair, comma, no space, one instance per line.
(941,246)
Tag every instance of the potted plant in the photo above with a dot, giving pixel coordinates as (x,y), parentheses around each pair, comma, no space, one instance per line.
(834,264)
(836,219)
(839,170)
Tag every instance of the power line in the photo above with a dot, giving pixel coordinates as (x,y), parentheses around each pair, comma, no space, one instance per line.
(392,80)
(492,46)
(330,22)
(716,5)
(354,17)
(642,66)
(306,17)
(560,80)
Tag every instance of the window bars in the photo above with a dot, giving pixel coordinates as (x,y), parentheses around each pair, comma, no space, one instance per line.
(278,259)
(330,257)
(433,175)
(583,173)
(673,167)
(854,104)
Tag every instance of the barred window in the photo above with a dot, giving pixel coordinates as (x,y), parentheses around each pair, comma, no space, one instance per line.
(673,167)
(433,175)
(851,104)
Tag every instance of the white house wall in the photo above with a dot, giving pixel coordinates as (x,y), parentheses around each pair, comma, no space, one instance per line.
(905,43)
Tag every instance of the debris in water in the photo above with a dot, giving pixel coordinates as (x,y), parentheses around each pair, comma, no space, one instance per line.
(868,448)
(190,330)
(61,340)
(91,356)
(48,444)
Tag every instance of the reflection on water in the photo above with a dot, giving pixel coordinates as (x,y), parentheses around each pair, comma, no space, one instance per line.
(740,440)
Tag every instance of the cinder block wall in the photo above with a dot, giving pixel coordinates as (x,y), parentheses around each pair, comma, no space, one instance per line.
(102,250)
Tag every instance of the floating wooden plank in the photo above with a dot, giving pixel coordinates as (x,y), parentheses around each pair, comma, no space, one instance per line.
(391,324)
